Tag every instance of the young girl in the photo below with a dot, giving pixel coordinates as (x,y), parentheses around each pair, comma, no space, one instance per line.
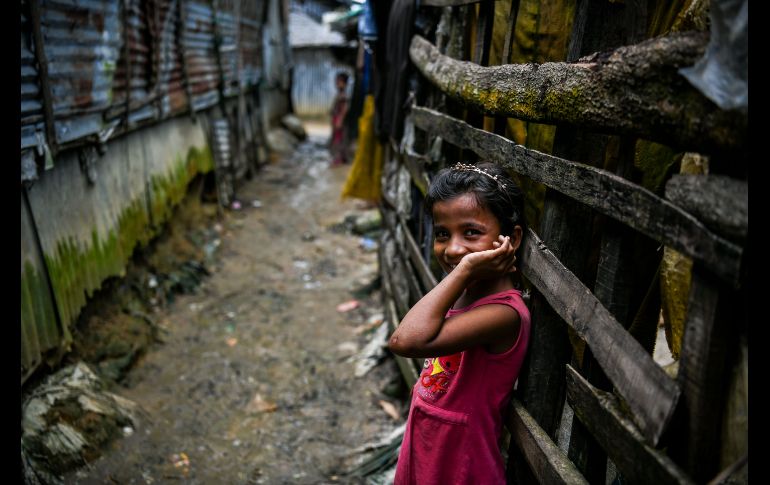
(338,143)
(473,327)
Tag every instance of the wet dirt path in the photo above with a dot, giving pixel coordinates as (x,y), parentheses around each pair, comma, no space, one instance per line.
(254,382)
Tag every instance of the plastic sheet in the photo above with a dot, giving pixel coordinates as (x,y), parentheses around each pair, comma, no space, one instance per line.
(722,74)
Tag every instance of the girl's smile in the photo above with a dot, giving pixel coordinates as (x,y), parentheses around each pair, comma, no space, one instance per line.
(462,226)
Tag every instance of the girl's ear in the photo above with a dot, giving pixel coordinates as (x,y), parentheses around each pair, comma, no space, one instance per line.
(516,236)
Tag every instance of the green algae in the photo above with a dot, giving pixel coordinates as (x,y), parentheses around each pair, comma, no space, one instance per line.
(655,161)
(77,270)
(40,332)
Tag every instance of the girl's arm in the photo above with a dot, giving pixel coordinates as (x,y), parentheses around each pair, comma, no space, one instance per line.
(425,333)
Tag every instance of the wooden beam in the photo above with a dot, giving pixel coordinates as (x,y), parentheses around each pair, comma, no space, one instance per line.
(423,270)
(720,202)
(414,163)
(408,367)
(502,121)
(634,90)
(600,412)
(485,23)
(606,192)
(546,460)
(649,392)
(386,270)
(703,376)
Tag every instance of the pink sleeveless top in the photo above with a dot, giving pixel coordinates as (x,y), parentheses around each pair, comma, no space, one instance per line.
(455,418)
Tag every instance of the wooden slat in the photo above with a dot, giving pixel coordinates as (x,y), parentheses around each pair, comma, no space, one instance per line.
(720,202)
(423,270)
(413,163)
(649,392)
(393,223)
(411,280)
(407,365)
(604,191)
(484,32)
(502,121)
(567,226)
(545,459)
(618,436)
(703,374)
(386,270)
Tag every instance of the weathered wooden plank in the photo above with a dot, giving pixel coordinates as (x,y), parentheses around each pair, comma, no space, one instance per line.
(406,365)
(703,373)
(604,191)
(649,392)
(720,202)
(567,226)
(505,58)
(387,268)
(634,90)
(619,437)
(413,163)
(484,32)
(546,460)
(423,270)
(415,292)
(393,221)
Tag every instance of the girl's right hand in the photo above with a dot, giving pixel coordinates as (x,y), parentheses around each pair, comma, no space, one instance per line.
(493,262)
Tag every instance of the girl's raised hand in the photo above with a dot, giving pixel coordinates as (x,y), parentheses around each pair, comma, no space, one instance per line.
(493,262)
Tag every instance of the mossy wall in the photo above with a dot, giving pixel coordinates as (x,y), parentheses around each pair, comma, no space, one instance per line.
(88,231)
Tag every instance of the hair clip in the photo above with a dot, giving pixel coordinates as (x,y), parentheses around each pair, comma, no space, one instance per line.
(465,167)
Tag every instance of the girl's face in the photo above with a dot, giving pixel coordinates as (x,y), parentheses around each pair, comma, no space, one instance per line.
(462,226)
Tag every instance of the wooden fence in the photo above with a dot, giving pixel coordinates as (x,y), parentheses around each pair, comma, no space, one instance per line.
(593,261)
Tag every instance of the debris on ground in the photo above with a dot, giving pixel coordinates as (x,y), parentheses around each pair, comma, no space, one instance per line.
(347,306)
(294,125)
(368,244)
(280,140)
(260,405)
(372,322)
(379,467)
(373,352)
(390,409)
(67,420)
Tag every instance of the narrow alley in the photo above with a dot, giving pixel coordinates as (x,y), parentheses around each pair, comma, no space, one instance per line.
(256,379)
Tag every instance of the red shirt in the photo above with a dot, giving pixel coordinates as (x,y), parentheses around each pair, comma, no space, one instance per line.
(455,418)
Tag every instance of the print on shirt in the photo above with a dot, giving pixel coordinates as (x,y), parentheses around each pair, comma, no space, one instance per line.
(437,375)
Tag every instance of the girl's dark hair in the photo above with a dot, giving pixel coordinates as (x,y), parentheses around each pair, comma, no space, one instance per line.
(507,204)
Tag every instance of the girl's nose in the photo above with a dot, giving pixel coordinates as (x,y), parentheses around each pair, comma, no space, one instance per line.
(455,249)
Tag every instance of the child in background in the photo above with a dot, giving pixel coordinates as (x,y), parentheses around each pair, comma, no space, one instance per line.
(338,144)
(473,329)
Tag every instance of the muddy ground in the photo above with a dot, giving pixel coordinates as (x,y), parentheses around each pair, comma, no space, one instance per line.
(254,379)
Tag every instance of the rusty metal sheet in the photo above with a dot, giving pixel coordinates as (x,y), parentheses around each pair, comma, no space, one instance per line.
(82,41)
(200,55)
(32,117)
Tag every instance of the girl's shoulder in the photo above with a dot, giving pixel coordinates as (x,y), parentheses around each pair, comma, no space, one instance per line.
(511,298)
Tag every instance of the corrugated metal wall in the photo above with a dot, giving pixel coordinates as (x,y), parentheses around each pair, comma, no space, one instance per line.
(95,70)
(313,88)
(97,51)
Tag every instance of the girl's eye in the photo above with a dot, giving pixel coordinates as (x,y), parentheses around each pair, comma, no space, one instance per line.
(472,232)
(441,235)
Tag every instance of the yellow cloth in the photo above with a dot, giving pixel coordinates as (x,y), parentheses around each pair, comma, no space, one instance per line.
(363,180)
